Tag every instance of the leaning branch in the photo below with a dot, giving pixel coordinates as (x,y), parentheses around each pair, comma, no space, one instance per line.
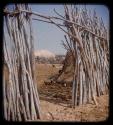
(76,39)
(52,17)
(47,21)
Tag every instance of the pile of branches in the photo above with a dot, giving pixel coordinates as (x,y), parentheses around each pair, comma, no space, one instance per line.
(88,41)
(20,95)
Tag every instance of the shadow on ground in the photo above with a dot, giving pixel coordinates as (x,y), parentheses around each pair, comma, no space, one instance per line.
(56,93)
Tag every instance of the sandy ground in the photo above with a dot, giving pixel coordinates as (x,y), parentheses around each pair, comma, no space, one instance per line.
(55,101)
(88,112)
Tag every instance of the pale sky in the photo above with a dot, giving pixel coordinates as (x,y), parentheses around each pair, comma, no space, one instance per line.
(48,36)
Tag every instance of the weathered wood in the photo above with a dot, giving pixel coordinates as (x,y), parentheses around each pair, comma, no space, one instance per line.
(90,51)
(20,90)
(87,42)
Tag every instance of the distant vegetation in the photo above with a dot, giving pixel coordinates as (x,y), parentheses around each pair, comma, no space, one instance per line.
(58,59)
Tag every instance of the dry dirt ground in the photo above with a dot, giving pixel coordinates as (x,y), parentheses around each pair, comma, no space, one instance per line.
(55,100)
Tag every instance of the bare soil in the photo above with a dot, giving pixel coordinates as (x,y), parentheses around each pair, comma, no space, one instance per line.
(55,100)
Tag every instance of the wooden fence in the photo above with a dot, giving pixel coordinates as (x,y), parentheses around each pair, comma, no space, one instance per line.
(86,38)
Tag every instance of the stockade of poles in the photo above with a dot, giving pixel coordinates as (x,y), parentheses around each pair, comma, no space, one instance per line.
(21,101)
(90,51)
(87,40)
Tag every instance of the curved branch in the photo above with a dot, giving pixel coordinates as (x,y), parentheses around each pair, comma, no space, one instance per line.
(76,39)
(58,14)
(47,21)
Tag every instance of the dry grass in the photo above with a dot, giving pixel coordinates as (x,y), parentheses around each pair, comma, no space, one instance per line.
(44,71)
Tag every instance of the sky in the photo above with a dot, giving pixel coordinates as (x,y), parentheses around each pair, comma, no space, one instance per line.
(48,36)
